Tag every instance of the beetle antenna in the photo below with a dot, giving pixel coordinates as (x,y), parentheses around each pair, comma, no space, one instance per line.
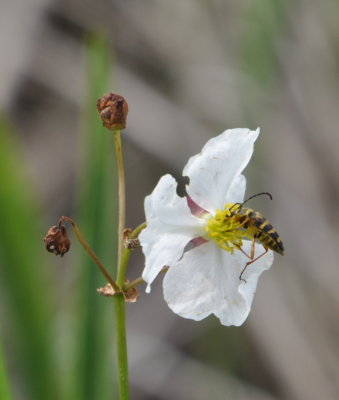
(255,195)
(258,194)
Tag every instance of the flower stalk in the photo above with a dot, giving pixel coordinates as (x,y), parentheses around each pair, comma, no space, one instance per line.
(90,251)
(122,206)
(123,255)
(121,346)
(137,230)
(140,280)
(113,111)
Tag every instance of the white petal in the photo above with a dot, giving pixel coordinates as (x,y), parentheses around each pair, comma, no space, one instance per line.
(206,281)
(170,226)
(236,314)
(213,171)
(236,191)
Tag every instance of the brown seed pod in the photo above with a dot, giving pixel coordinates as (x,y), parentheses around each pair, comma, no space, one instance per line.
(113,110)
(57,240)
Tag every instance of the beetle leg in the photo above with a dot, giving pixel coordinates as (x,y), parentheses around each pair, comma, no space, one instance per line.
(251,257)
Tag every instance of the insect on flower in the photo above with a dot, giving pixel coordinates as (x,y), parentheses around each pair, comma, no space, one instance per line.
(207,239)
(257,227)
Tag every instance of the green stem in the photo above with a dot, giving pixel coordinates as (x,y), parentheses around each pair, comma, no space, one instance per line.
(122,201)
(123,266)
(119,300)
(139,280)
(121,343)
(137,230)
(134,283)
(125,256)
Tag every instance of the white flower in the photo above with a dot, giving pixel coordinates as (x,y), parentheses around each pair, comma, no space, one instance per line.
(203,278)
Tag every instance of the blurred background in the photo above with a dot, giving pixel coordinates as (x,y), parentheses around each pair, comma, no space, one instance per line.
(189,70)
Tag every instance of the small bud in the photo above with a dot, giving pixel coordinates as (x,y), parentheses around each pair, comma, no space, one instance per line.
(57,240)
(131,295)
(113,110)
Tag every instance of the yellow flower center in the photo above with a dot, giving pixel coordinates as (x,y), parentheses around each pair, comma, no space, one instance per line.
(225,228)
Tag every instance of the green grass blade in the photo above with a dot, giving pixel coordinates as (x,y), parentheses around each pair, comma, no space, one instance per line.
(24,280)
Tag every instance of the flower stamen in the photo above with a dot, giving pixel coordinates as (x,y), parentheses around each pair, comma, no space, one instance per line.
(226,229)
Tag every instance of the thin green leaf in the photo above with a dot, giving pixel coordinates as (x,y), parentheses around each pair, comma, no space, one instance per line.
(24,275)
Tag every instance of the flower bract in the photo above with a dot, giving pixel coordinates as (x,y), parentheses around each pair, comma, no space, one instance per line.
(196,238)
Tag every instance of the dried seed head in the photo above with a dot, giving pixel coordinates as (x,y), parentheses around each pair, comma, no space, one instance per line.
(131,295)
(113,110)
(106,290)
(57,240)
